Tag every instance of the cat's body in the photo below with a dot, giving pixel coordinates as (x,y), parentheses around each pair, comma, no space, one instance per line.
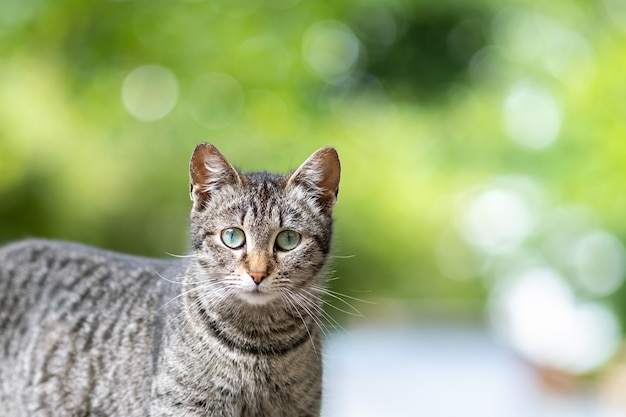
(232,330)
(76,324)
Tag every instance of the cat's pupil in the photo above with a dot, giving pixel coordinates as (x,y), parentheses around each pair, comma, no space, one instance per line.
(287,240)
(233,237)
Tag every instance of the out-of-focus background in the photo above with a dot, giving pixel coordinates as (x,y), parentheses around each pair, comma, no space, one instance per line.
(482,213)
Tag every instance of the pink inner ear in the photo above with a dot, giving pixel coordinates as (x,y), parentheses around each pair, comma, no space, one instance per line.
(199,174)
(321,172)
(332,173)
(208,170)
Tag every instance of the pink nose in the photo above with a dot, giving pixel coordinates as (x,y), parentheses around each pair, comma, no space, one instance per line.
(258,276)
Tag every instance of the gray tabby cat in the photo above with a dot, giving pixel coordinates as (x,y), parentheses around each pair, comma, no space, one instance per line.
(231,330)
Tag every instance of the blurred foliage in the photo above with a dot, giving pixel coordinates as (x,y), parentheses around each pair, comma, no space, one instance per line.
(413,94)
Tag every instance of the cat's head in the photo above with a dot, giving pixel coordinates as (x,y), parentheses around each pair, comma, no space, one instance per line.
(261,238)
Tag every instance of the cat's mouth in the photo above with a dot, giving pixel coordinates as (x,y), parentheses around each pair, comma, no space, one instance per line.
(256,295)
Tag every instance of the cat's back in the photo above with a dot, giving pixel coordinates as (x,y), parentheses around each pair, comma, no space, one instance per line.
(78,325)
(60,279)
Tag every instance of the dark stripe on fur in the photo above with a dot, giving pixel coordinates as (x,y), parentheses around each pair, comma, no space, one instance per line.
(249,348)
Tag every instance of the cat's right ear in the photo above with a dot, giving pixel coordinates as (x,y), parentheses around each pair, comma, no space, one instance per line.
(208,172)
(320,176)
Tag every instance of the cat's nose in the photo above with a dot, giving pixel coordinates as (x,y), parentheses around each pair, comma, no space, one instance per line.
(257,276)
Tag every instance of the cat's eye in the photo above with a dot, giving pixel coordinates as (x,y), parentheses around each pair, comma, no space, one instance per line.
(233,237)
(287,240)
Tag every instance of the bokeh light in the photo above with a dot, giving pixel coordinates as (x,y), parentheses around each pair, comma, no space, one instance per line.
(545,267)
(501,215)
(12,14)
(330,49)
(150,92)
(600,263)
(535,39)
(531,116)
(376,25)
(539,315)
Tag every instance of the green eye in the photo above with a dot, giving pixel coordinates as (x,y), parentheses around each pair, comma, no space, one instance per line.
(233,237)
(287,240)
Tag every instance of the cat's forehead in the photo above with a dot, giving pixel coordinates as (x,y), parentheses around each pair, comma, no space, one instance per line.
(261,196)
(264,184)
(266,201)
(261,203)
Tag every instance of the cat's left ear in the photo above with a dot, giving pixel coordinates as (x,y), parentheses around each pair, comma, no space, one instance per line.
(320,175)
(209,171)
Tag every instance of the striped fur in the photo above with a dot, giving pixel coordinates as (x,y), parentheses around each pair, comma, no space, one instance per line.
(84,332)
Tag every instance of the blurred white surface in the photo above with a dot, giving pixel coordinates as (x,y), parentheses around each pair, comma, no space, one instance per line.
(437,371)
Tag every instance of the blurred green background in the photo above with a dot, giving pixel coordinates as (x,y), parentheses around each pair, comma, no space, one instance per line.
(482,142)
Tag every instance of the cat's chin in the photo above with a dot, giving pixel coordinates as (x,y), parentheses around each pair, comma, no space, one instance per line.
(256,297)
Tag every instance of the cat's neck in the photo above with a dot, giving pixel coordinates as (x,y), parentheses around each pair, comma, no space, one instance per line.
(267,329)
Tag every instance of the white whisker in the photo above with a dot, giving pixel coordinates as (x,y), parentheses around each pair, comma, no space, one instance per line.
(310,309)
(352,311)
(168,280)
(181,256)
(342,256)
(322,313)
(360,300)
(209,284)
(286,296)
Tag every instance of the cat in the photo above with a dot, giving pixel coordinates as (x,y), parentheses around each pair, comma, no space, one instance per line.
(231,330)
